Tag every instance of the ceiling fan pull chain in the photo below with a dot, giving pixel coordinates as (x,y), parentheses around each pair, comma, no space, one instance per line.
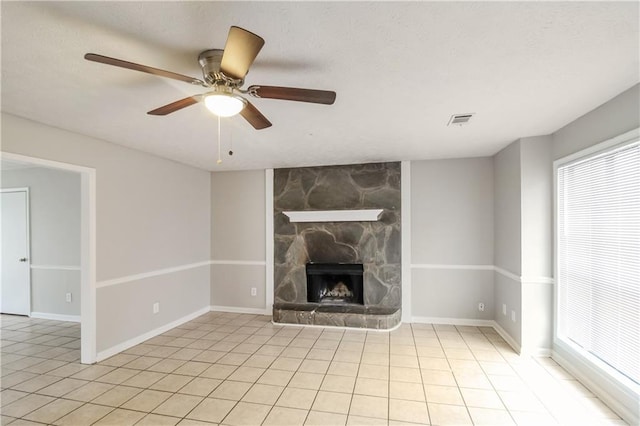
(230,140)
(219,143)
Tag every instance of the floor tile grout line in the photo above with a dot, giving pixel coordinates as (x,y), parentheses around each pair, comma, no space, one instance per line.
(424,391)
(493,385)
(283,388)
(232,408)
(318,391)
(355,381)
(237,402)
(389,377)
(454,375)
(223,380)
(485,375)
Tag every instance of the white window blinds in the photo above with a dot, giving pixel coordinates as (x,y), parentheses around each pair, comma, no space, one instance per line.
(599,256)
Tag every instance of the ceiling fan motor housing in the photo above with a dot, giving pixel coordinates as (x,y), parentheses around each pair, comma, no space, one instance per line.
(210,62)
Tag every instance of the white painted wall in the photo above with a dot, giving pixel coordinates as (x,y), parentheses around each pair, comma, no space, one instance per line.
(152,214)
(238,240)
(55,236)
(452,238)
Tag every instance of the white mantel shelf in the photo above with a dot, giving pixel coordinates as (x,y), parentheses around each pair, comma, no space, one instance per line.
(368,215)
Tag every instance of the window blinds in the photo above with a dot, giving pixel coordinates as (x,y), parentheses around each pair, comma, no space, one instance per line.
(599,256)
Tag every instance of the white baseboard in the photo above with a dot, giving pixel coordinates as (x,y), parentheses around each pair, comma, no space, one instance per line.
(56,317)
(102,355)
(454,321)
(507,338)
(239,310)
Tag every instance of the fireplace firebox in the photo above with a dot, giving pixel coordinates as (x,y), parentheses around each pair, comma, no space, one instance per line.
(335,283)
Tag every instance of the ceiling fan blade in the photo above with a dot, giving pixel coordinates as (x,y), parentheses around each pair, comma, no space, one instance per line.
(175,106)
(143,68)
(254,117)
(240,51)
(293,94)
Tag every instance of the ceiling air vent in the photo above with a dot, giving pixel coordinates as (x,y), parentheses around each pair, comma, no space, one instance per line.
(460,119)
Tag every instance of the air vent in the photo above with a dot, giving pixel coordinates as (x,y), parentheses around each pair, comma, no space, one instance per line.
(460,119)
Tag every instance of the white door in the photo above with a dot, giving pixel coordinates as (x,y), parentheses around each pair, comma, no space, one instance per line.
(15,294)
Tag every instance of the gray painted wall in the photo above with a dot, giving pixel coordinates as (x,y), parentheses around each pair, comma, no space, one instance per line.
(238,221)
(152,214)
(452,211)
(451,294)
(508,291)
(508,243)
(452,227)
(178,293)
(536,174)
(507,208)
(620,115)
(523,218)
(54,201)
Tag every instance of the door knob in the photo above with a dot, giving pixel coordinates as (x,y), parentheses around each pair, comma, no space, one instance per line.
(23,259)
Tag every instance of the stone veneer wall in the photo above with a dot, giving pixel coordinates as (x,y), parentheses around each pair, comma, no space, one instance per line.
(376,245)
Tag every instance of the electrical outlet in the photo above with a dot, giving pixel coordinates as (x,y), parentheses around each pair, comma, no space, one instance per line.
(68,297)
(504,309)
(513,316)
(254,291)
(156,307)
(481,307)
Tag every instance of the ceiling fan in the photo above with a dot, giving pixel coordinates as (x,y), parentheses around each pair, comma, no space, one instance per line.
(223,74)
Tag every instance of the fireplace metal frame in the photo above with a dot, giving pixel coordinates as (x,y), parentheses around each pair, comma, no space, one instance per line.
(351,272)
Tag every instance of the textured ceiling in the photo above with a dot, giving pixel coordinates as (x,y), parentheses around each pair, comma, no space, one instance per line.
(400,71)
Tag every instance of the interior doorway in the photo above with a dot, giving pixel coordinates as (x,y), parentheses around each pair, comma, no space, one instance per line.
(87,268)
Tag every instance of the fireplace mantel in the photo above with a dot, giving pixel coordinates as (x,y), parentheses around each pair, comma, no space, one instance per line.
(366,215)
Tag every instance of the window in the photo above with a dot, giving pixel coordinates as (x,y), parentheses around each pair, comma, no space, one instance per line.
(598,258)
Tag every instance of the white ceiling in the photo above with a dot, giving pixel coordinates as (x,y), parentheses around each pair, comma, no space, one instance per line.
(400,71)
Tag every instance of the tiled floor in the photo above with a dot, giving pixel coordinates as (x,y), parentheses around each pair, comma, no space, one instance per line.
(237,369)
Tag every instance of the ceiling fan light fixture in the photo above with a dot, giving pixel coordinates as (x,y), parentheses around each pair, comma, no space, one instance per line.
(224,103)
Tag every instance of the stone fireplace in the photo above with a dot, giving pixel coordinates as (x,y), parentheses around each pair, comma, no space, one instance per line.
(373,244)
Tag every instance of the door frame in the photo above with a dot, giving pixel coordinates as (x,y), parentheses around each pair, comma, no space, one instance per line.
(28,214)
(87,248)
